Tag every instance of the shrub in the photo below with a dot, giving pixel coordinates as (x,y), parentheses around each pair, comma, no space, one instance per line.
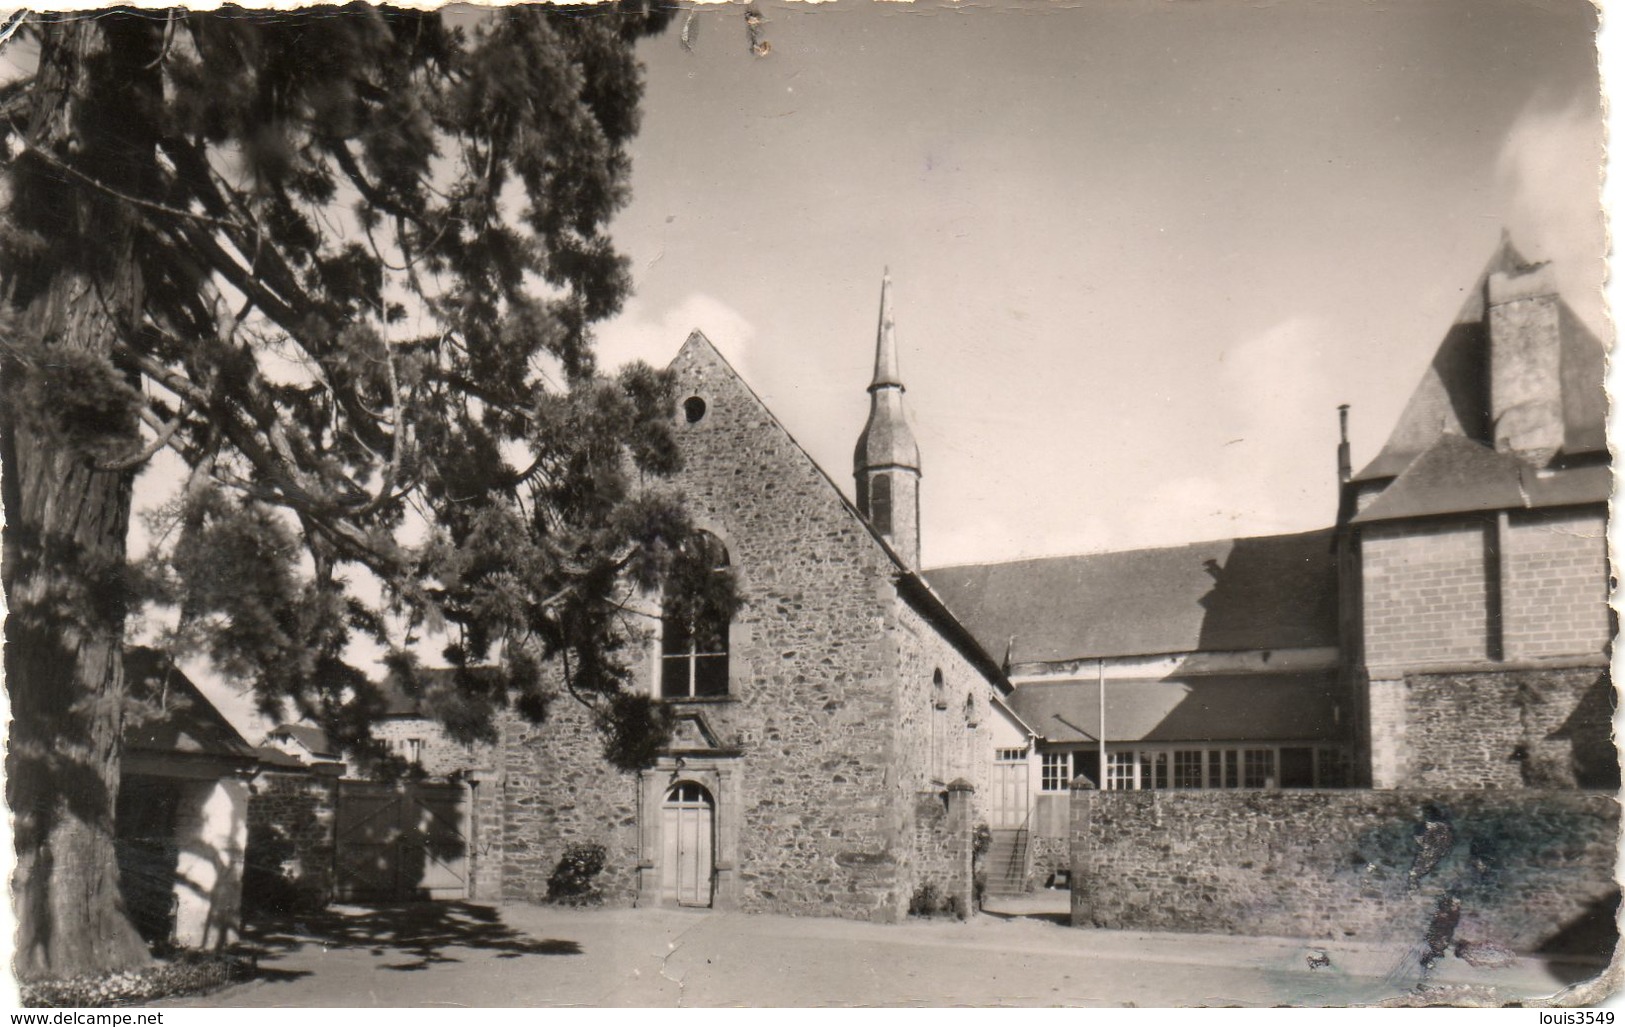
(929,900)
(572,883)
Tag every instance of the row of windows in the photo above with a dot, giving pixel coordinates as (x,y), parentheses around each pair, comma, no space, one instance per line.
(1290,766)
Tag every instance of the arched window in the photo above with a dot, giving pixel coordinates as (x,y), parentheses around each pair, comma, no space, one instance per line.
(694,627)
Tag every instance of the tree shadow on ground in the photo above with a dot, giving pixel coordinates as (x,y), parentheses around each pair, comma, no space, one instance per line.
(421,931)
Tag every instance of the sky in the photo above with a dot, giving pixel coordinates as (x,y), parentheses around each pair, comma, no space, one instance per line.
(1140,250)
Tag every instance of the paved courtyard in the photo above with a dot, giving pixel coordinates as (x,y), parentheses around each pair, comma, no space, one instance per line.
(465,954)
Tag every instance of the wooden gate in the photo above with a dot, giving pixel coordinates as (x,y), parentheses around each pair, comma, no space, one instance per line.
(395,842)
(685,831)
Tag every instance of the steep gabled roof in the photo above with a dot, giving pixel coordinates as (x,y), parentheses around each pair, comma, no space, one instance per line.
(1453,395)
(1274,592)
(174,716)
(912,586)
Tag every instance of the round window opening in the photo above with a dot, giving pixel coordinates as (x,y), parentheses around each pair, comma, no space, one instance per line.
(693,408)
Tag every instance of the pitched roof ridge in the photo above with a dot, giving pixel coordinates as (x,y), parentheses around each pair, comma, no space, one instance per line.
(1057,557)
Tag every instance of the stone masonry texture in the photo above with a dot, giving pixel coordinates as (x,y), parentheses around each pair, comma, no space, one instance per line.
(289,856)
(1540,728)
(1524,870)
(827,716)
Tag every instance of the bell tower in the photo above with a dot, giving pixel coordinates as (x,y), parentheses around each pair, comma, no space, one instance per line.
(887,461)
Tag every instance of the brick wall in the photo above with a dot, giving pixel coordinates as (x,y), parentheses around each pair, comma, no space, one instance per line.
(1425,591)
(289,861)
(1529,869)
(1541,728)
(1556,594)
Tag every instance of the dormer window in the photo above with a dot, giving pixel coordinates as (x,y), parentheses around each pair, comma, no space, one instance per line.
(694,632)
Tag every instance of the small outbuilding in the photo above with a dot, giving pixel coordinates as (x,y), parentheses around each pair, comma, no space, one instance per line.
(182,816)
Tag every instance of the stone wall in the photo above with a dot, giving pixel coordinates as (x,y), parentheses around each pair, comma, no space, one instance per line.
(289,861)
(810,707)
(438,754)
(940,857)
(1556,592)
(1425,591)
(556,791)
(1525,870)
(944,738)
(1532,727)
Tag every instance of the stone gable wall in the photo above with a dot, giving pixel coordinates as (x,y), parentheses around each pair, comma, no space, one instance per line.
(821,791)
(1521,870)
(811,705)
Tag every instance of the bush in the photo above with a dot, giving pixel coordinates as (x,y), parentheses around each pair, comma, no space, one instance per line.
(929,900)
(572,883)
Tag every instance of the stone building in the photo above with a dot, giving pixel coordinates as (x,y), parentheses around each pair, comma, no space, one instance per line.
(832,748)
(1475,556)
(840,738)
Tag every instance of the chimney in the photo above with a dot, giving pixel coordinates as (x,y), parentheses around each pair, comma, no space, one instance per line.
(1525,340)
(1345,468)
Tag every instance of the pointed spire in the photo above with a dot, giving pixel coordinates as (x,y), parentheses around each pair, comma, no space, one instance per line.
(886,372)
(886,463)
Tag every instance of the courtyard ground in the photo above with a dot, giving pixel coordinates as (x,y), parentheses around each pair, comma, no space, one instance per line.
(466,954)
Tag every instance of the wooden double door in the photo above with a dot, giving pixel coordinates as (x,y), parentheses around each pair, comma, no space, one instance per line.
(688,847)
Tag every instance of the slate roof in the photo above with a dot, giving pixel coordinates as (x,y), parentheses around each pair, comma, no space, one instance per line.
(1220,708)
(1272,592)
(183,722)
(1452,397)
(270,755)
(312,738)
(1457,475)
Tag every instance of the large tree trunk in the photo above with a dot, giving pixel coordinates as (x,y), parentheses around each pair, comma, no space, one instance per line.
(64,546)
(67,521)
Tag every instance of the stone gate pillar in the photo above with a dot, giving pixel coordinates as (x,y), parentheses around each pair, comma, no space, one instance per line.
(961,830)
(1082,802)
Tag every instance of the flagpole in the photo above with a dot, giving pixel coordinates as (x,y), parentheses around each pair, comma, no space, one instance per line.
(1100,686)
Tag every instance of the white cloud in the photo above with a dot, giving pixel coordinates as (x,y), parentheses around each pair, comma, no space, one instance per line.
(1550,164)
(654,336)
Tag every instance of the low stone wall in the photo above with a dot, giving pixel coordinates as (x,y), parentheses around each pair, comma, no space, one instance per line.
(1049,857)
(1526,870)
(289,862)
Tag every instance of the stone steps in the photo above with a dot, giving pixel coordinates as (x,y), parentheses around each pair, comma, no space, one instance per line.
(1006,863)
